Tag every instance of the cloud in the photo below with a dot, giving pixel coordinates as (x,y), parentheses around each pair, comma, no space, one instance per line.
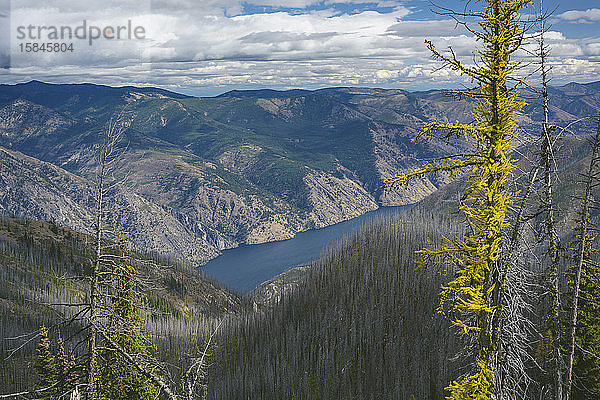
(285,3)
(220,45)
(378,3)
(427,28)
(275,36)
(309,3)
(585,16)
(216,77)
(281,36)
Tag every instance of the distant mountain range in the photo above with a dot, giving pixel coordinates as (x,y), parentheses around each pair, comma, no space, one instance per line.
(200,175)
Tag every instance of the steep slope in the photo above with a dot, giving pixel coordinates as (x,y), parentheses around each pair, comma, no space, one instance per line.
(44,266)
(270,292)
(33,189)
(361,325)
(571,160)
(248,166)
(361,322)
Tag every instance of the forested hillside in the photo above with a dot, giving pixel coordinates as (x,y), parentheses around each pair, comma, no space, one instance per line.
(362,326)
(44,270)
(487,288)
(363,322)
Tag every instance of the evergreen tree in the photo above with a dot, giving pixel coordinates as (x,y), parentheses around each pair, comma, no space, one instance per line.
(67,369)
(586,368)
(57,373)
(46,366)
(473,300)
(119,380)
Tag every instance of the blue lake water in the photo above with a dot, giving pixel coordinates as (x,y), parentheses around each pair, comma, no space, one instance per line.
(247,266)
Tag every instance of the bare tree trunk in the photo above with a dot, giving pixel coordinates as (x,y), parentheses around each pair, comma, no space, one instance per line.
(197,370)
(581,256)
(147,372)
(114,131)
(498,269)
(553,241)
(91,361)
(516,326)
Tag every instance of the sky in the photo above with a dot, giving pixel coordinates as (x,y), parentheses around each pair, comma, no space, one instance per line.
(207,47)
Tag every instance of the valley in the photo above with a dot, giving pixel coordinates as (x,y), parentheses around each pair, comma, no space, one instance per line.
(258,220)
(246,167)
(244,268)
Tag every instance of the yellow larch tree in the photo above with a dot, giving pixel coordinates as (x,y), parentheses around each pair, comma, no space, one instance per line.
(473,299)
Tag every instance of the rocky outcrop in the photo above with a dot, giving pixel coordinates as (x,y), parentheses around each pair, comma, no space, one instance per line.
(178,209)
(21,119)
(336,197)
(242,158)
(33,189)
(270,292)
(396,154)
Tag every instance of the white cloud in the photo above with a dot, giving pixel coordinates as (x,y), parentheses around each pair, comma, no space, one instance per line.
(217,46)
(379,3)
(386,74)
(285,3)
(584,16)
(427,28)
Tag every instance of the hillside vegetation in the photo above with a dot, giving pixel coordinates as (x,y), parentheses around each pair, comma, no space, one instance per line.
(44,267)
(244,167)
(362,325)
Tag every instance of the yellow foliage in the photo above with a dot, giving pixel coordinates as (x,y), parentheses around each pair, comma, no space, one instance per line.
(476,386)
(468,300)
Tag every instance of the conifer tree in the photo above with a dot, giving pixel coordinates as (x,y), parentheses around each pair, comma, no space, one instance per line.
(67,369)
(586,363)
(118,363)
(57,372)
(119,380)
(473,300)
(99,308)
(46,364)
(106,159)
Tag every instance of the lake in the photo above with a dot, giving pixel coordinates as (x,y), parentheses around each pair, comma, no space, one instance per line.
(247,266)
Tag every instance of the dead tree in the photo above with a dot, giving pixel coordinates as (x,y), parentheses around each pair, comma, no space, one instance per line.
(584,239)
(114,132)
(95,326)
(99,297)
(547,163)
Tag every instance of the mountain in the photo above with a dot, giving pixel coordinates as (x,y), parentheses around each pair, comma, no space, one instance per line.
(200,175)
(571,160)
(362,322)
(37,189)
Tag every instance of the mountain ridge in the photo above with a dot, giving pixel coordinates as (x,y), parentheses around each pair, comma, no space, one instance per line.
(246,166)
(594,85)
